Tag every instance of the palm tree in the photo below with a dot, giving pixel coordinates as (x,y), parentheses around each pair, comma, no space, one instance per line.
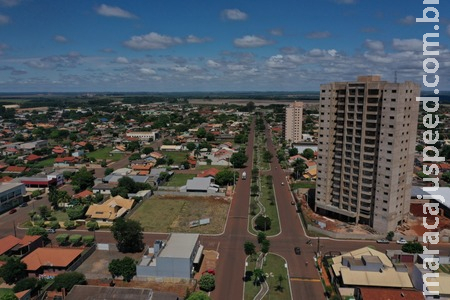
(258,276)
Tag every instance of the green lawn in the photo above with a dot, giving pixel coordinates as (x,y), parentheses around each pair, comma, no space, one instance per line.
(103,153)
(273,267)
(60,215)
(179,179)
(173,214)
(271,209)
(202,168)
(4,291)
(44,163)
(177,156)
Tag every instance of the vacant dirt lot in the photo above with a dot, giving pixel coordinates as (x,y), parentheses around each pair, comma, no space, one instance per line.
(96,266)
(173,214)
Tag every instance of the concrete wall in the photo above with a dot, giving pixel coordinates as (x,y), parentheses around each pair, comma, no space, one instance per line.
(190,194)
(344,235)
(167,267)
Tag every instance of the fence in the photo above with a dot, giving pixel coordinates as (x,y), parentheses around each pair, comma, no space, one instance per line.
(85,255)
(345,235)
(188,194)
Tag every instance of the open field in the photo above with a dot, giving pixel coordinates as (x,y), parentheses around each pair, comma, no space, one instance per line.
(103,153)
(179,179)
(44,163)
(173,214)
(177,156)
(245,101)
(206,167)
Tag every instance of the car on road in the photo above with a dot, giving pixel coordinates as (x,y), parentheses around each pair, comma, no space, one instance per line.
(383,241)
(24,204)
(293,202)
(297,250)
(282,183)
(12,211)
(51,230)
(401,241)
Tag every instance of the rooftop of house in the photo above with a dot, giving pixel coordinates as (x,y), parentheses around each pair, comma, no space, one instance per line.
(55,257)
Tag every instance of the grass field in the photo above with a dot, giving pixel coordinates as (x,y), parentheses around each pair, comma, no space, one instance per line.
(173,214)
(44,163)
(179,179)
(4,291)
(303,185)
(274,267)
(103,153)
(177,156)
(202,168)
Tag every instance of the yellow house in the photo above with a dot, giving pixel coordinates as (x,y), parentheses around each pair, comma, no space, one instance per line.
(110,210)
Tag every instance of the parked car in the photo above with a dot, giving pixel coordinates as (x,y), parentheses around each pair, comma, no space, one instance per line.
(383,241)
(297,250)
(24,204)
(51,230)
(12,211)
(210,271)
(401,241)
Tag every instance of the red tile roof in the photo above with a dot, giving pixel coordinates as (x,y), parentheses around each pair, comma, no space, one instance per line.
(66,159)
(56,257)
(33,157)
(7,243)
(210,172)
(15,169)
(83,194)
(6,179)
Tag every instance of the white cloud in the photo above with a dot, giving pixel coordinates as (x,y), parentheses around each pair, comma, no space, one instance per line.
(277,32)
(448,29)
(251,41)
(121,60)
(147,71)
(211,63)
(318,35)
(192,39)
(375,58)
(234,14)
(408,20)
(4,19)
(152,40)
(407,44)
(9,3)
(60,39)
(114,11)
(374,45)
(332,52)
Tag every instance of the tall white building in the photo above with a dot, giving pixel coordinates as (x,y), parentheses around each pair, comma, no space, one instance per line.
(367,137)
(293,122)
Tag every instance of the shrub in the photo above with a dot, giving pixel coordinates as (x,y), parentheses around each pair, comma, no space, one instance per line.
(88,240)
(54,225)
(70,224)
(207,282)
(61,239)
(75,239)
(92,225)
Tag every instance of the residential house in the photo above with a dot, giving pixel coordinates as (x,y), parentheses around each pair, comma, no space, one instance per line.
(171,148)
(209,173)
(104,188)
(82,195)
(64,162)
(50,261)
(11,245)
(15,170)
(110,210)
(32,158)
(386,293)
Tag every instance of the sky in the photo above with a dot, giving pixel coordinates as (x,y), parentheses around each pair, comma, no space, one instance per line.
(213,45)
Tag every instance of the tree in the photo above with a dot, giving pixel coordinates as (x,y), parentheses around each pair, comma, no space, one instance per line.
(134,156)
(240,138)
(238,159)
(293,151)
(8,296)
(263,222)
(390,235)
(299,168)
(258,276)
(76,212)
(265,246)
(115,268)
(210,137)
(44,211)
(68,280)
(250,106)
(13,270)
(225,177)
(128,268)
(201,133)
(133,146)
(83,179)
(207,282)
(267,156)
(108,171)
(36,230)
(412,247)
(92,225)
(249,248)
(280,280)
(128,234)
(191,146)
(308,153)
(147,150)
(261,237)
(254,189)
(446,177)
(198,296)
(26,283)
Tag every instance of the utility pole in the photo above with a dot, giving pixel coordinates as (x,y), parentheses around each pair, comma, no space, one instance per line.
(318,246)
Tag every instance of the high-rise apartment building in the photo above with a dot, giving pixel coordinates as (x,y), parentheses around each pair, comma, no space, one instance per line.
(293,122)
(367,138)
